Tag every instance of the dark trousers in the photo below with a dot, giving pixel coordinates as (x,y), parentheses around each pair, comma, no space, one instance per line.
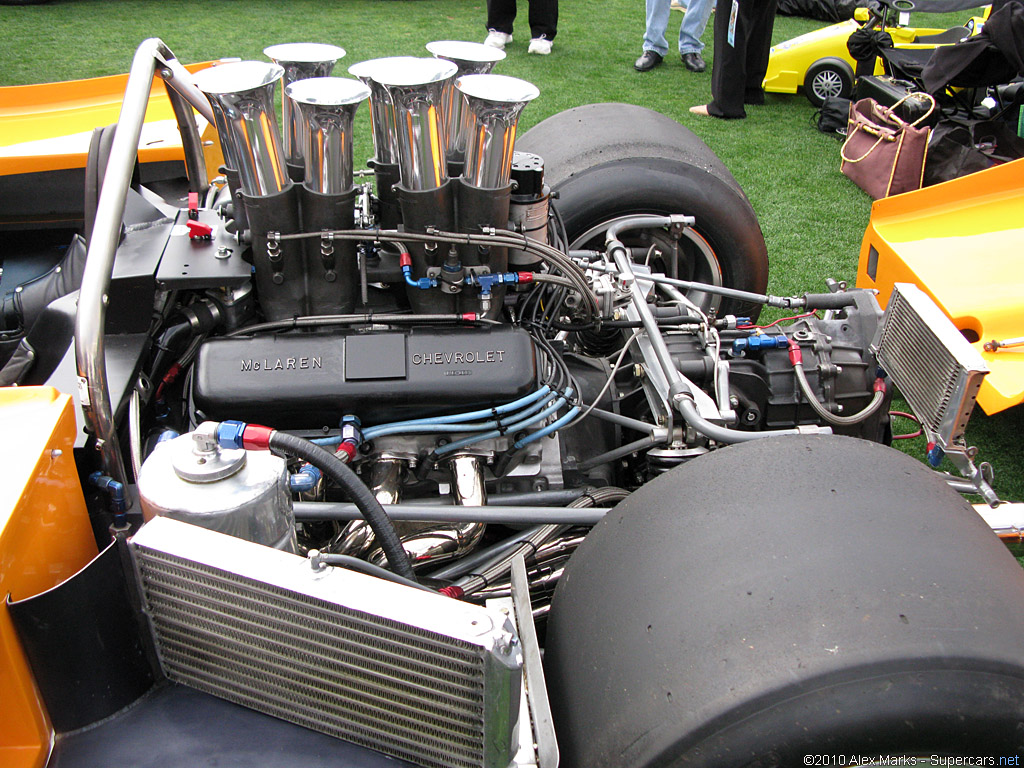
(543,17)
(738,69)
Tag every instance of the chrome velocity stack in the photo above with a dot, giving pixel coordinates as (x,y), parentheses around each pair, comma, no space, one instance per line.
(493,104)
(415,675)
(324,108)
(244,92)
(415,88)
(471,59)
(300,61)
(385,135)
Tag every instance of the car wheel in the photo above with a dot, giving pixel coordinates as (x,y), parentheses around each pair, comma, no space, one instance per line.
(782,598)
(828,77)
(608,161)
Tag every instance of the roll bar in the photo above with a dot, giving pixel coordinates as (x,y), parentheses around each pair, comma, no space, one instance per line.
(151,58)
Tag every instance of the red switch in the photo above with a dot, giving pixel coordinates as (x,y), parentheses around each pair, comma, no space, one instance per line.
(199,231)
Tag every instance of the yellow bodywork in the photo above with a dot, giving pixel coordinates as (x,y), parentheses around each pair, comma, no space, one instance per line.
(48,127)
(789,62)
(962,242)
(45,537)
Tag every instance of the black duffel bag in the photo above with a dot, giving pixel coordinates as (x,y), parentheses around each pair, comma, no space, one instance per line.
(959,148)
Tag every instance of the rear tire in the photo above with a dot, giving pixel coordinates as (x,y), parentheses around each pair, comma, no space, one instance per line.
(757,605)
(606,161)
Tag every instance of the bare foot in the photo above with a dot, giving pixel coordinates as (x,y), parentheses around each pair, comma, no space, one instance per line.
(701,109)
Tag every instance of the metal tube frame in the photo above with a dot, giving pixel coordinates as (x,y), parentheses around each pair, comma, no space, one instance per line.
(90,348)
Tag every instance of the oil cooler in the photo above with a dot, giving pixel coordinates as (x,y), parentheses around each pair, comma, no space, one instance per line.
(932,364)
(415,675)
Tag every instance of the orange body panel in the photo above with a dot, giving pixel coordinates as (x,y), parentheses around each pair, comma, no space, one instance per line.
(45,537)
(47,127)
(962,242)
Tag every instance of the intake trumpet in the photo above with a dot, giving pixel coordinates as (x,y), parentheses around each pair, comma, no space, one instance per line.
(493,106)
(385,135)
(300,61)
(416,88)
(471,59)
(325,108)
(243,92)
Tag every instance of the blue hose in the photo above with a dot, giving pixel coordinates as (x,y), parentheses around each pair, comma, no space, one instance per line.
(548,429)
(451,423)
(523,422)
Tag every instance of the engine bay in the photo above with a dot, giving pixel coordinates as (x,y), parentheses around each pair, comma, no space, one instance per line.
(441,370)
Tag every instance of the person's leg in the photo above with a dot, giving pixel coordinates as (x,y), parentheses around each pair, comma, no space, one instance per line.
(758,50)
(728,72)
(543,18)
(657,22)
(696,19)
(500,15)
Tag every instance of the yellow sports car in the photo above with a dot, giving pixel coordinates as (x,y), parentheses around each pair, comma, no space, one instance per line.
(819,64)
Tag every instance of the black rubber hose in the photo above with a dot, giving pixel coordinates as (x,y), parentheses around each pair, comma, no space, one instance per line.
(364,500)
(168,345)
(355,564)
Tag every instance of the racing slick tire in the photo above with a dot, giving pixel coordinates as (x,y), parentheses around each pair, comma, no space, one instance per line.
(608,161)
(784,601)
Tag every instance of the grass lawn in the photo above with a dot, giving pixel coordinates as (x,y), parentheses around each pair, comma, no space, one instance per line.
(813,218)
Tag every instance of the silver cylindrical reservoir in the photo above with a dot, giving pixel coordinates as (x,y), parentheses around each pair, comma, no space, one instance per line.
(237,492)
(471,59)
(244,93)
(300,61)
(493,104)
(528,211)
(326,107)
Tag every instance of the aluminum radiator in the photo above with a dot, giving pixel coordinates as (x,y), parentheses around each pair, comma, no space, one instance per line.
(415,675)
(931,363)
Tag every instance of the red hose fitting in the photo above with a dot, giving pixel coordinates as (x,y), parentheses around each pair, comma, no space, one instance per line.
(470,317)
(796,357)
(525,277)
(346,452)
(455,593)
(256,437)
(879,385)
(405,260)
(169,378)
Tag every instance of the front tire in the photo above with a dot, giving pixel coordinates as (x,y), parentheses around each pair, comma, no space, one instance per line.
(786,597)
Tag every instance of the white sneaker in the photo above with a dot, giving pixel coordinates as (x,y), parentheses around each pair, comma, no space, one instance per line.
(540,45)
(497,39)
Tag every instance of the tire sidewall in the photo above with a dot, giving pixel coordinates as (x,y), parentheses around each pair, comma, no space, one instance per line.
(656,185)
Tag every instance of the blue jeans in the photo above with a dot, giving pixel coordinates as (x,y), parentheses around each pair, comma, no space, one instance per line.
(697,14)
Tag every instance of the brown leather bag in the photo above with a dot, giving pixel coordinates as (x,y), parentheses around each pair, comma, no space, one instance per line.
(883,154)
